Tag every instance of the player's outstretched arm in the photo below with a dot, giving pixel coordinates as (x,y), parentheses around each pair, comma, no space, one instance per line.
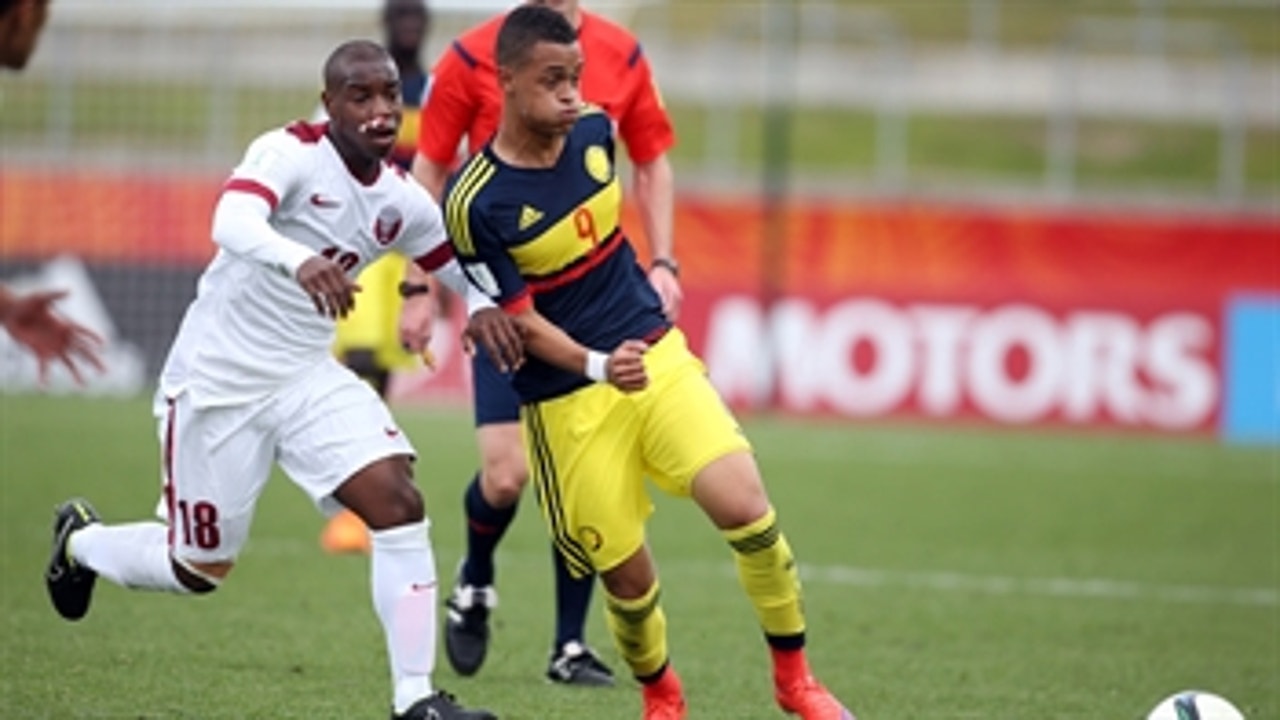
(419,310)
(31,321)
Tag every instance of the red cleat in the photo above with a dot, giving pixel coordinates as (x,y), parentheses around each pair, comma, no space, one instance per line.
(806,697)
(664,698)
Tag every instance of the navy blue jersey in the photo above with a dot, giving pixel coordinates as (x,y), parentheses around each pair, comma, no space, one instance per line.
(552,237)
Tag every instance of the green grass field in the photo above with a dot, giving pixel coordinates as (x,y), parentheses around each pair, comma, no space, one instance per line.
(950,573)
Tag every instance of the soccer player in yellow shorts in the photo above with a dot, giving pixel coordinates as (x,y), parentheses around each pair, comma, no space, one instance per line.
(594,447)
(534,219)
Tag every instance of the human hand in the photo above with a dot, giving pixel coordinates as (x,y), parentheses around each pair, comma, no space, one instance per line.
(417,322)
(31,321)
(667,285)
(500,335)
(328,286)
(625,367)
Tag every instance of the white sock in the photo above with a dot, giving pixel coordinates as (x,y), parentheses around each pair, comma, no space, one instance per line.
(135,555)
(404,595)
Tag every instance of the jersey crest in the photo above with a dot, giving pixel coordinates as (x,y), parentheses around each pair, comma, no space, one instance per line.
(387,225)
(596,161)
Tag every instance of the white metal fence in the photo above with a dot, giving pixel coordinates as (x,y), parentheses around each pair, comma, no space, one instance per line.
(156,84)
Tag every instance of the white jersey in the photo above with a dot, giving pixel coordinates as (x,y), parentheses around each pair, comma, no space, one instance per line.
(251,326)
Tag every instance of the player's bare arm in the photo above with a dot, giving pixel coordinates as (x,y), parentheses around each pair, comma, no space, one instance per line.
(655,196)
(430,174)
(419,310)
(622,367)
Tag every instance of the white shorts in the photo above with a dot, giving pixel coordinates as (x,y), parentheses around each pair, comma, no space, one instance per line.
(322,428)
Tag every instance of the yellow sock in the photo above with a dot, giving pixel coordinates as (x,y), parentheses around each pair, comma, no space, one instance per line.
(767,572)
(639,630)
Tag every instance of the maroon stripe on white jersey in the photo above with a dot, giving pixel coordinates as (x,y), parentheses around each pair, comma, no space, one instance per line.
(432,261)
(169,490)
(307,132)
(253,187)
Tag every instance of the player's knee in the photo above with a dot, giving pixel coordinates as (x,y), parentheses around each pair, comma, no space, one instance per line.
(731,492)
(502,489)
(504,478)
(632,578)
(404,506)
(200,578)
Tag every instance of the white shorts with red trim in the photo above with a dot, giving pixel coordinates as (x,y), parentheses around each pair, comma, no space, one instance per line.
(321,428)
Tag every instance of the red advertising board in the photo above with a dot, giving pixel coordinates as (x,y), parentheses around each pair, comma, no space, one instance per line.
(858,309)
(931,311)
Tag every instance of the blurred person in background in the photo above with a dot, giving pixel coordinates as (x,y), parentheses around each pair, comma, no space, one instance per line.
(29,319)
(251,381)
(610,393)
(369,339)
(465,103)
(20,24)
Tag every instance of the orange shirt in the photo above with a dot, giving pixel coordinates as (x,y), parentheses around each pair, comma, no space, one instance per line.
(465,101)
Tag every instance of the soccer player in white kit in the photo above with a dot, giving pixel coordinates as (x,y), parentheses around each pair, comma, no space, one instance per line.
(251,380)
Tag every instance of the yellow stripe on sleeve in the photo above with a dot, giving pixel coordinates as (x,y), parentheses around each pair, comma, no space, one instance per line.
(458,204)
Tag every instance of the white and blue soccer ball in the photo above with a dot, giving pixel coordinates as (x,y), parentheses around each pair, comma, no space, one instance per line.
(1195,705)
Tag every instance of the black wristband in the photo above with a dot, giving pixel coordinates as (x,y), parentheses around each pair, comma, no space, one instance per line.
(408,289)
(665,262)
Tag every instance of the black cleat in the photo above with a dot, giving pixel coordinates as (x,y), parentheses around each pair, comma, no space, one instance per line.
(576,664)
(466,627)
(440,705)
(70,585)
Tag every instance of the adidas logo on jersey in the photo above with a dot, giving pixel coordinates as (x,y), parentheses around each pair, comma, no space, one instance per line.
(529,216)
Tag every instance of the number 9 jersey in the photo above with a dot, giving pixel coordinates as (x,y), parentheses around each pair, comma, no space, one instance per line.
(552,238)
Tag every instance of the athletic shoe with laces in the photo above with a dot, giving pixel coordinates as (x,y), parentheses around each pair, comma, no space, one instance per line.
(70,585)
(576,664)
(466,627)
(664,698)
(440,705)
(806,697)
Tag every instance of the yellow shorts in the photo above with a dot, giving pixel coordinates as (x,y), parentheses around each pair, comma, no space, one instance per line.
(589,452)
(375,322)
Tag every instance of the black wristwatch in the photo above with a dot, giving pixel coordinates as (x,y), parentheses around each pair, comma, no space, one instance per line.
(408,289)
(665,262)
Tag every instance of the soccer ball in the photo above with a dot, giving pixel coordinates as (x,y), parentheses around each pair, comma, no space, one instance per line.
(1195,705)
